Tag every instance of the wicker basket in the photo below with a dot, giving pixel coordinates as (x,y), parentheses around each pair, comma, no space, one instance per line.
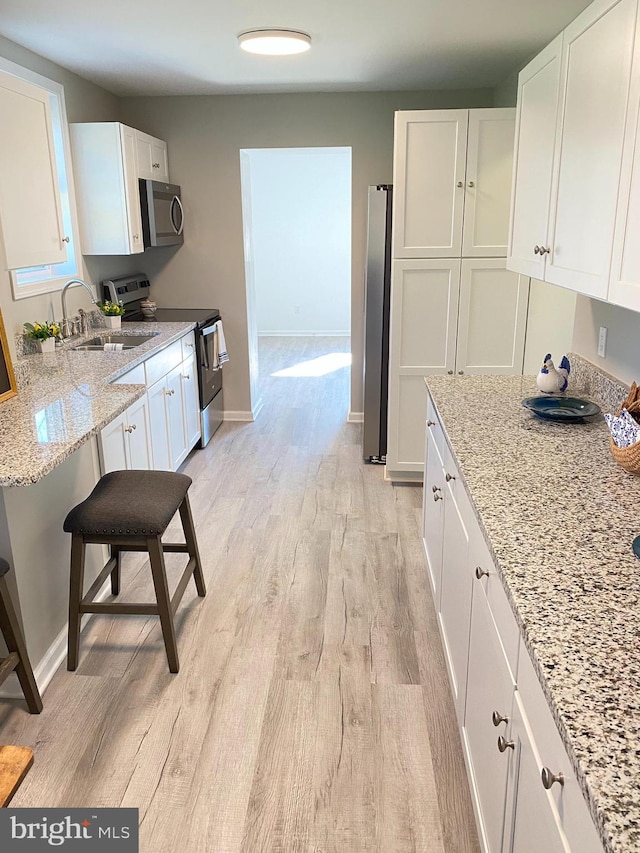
(629,457)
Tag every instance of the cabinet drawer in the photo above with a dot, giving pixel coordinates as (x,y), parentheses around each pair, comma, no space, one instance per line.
(132,377)
(160,364)
(188,345)
(550,753)
(434,426)
(497,598)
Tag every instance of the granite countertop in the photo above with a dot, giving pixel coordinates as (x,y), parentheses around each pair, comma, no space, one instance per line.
(66,397)
(559,516)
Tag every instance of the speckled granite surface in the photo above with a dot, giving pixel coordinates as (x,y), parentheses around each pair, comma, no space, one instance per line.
(559,516)
(66,398)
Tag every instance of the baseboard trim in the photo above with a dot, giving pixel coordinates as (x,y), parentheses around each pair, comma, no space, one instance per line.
(306,334)
(238,415)
(413,478)
(54,656)
(355,417)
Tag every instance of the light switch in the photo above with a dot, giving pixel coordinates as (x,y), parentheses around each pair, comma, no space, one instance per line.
(602,341)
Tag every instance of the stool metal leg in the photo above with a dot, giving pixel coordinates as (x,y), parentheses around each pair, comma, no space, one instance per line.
(76,583)
(159,574)
(14,640)
(192,544)
(115,574)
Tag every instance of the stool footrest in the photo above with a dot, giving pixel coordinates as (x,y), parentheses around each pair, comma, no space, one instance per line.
(134,543)
(176,598)
(7,665)
(123,608)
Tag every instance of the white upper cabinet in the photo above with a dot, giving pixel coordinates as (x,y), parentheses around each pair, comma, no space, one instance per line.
(105,169)
(488,183)
(597,54)
(153,163)
(624,283)
(30,216)
(429,175)
(573,107)
(537,113)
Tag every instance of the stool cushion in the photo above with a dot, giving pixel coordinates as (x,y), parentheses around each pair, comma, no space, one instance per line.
(4,567)
(129,503)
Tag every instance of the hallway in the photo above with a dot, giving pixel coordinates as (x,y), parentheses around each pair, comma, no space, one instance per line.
(312,711)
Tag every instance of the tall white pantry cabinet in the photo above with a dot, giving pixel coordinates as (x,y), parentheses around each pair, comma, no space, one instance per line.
(455,308)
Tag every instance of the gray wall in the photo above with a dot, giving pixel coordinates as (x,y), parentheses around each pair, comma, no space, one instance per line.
(205,135)
(623,337)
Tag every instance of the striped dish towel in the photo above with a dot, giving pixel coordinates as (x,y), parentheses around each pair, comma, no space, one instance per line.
(223,355)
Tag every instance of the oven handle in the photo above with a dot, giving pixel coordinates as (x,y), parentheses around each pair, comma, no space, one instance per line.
(204,358)
(175,200)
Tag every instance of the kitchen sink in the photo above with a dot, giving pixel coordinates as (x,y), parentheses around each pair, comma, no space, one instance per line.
(127,341)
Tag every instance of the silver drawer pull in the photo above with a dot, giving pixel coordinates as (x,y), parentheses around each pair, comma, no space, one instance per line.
(449,477)
(504,744)
(185,376)
(481,573)
(497,718)
(549,779)
(130,428)
(435,489)
(437,497)
(431,423)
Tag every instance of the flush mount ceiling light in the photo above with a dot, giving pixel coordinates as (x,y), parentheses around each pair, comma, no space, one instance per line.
(274,42)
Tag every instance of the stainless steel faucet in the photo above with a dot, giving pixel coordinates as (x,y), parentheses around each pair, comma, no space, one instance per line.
(64,326)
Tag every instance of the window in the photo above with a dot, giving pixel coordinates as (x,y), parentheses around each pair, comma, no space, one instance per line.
(45,279)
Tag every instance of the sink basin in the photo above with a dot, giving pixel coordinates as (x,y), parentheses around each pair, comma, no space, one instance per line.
(127,341)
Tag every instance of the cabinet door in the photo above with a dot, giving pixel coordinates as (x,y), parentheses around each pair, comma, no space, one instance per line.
(536,119)
(489,173)
(30,214)
(455,600)
(489,688)
(175,408)
(429,173)
(132,191)
(113,446)
(596,72)
(624,282)
(190,401)
(424,316)
(492,318)
(138,435)
(535,824)
(159,426)
(433,515)
(152,157)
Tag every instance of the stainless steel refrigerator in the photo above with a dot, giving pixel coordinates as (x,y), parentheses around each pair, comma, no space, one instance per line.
(376,337)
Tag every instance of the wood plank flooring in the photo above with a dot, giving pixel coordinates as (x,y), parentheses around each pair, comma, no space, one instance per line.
(312,712)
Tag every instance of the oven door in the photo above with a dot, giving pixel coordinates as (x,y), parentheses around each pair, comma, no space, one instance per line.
(209,370)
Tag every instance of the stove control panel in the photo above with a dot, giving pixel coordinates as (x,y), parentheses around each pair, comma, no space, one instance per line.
(130,288)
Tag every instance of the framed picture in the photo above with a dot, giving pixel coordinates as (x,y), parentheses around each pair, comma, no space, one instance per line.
(7,379)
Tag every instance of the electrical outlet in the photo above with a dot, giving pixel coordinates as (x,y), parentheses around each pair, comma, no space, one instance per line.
(602,341)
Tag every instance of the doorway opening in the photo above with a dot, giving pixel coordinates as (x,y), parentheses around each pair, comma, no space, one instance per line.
(296,205)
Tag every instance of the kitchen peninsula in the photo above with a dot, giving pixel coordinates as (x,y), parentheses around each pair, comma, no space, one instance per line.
(549,519)
(49,461)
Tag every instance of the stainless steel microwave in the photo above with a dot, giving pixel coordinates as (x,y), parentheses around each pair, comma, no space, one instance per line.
(162,214)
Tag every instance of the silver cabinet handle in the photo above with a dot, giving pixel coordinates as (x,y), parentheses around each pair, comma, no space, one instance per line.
(437,497)
(461,373)
(431,423)
(504,744)
(169,392)
(435,489)
(471,184)
(497,718)
(191,345)
(156,165)
(460,184)
(65,239)
(480,572)
(136,236)
(450,372)
(130,428)
(549,778)
(449,477)
(536,250)
(544,250)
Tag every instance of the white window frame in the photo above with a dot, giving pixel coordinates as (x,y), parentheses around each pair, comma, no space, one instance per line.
(49,285)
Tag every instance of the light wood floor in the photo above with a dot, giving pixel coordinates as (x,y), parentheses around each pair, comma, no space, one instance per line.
(312,711)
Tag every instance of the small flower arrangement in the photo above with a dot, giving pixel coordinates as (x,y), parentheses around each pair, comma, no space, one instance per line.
(42,331)
(111,309)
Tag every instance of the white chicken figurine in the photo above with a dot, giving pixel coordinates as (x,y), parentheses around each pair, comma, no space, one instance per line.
(551,380)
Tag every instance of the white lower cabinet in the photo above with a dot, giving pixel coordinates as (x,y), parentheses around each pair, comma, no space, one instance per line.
(125,443)
(525,794)
(160,429)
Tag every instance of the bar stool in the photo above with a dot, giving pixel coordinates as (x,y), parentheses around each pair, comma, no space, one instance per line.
(18,659)
(130,511)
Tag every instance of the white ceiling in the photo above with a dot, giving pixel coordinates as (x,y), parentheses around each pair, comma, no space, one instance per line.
(174,47)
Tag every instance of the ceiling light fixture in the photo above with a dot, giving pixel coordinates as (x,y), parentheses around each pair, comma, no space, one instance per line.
(274,42)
